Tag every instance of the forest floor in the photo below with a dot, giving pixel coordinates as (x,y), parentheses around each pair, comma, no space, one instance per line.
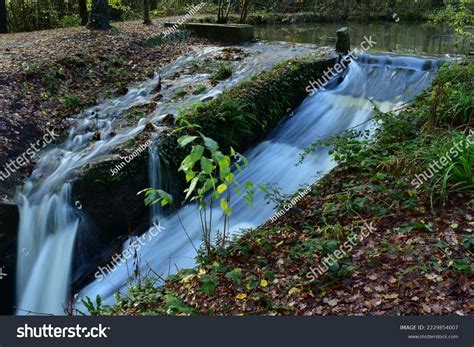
(48,76)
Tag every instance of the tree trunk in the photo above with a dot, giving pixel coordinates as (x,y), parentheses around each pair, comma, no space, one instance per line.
(99,15)
(83,11)
(146,12)
(3,17)
(226,18)
(220,5)
(60,7)
(244,11)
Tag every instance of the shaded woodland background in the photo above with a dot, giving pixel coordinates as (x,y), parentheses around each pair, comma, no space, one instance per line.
(29,15)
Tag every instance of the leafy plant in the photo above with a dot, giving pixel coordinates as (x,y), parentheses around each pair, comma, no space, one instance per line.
(212,175)
(209,283)
(459,175)
(235,276)
(209,174)
(174,305)
(93,309)
(71,20)
(223,71)
(457,15)
(464,265)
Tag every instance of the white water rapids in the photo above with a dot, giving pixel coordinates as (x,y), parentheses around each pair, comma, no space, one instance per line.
(49,221)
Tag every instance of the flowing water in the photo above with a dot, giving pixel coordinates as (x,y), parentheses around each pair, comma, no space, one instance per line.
(49,221)
(386,81)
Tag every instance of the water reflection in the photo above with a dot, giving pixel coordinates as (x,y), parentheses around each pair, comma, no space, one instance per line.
(405,38)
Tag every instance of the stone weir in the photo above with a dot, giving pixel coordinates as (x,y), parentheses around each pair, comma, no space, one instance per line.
(225,33)
(110,201)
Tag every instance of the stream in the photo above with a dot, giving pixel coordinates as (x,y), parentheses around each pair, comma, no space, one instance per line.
(50,223)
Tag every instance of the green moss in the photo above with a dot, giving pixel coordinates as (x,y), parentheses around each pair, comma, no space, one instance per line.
(243,115)
(199,89)
(181,92)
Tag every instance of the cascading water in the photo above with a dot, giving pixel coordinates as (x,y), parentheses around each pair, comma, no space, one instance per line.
(389,82)
(48,260)
(154,176)
(50,223)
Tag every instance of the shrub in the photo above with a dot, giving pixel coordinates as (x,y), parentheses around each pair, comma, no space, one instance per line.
(459,175)
(71,21)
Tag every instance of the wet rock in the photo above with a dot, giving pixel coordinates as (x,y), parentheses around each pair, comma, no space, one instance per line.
(149,127)
(232,54)
(207,98)
(343,44)
(96,136)
(168,119)
(158,97)
(9,219)
(157,88)
(109,198)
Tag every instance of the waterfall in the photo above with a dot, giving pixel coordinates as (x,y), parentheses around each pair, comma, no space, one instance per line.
(50,221)
(45,259)
(386,81)
(154,176)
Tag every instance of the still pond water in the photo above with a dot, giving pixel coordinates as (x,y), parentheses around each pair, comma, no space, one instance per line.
(400,38)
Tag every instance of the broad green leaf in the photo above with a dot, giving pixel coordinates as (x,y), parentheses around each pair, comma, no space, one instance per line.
(210,143)
(191,188)
(221,188)
(196,153)
(225,207)
(206,165)
(224,204)
(190,175)
(248,200)
(224,163)
(246,162)
(186,139)
(229,178)
(217,156)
